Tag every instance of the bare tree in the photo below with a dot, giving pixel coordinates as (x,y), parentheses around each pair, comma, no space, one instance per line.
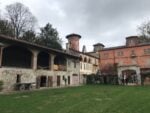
(21,18)
(144,30)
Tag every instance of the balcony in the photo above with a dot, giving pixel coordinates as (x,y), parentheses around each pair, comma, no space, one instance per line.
(60,68)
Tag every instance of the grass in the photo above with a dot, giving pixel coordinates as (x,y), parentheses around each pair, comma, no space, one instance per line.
(84,99)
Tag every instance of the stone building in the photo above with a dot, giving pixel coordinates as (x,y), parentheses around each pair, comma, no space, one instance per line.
(89,61)
(130,61)
(24,62)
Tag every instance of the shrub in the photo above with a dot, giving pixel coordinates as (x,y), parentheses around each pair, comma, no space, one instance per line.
(100,79)
(90,79)
(1,85)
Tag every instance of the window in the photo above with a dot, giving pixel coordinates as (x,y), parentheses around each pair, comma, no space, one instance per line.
(120,53)
(131,42)
(105,55)
(80,65)
(85,59)
(147,51)
(75,74)
(69,63)
(81,58)
(64,77)
(89,60)
(132,52)
(74,64)
(87,66)
(18,80)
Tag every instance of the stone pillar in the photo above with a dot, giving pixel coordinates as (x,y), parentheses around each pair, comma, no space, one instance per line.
(1,55)
(47,81)
(34,60)
(119,75)
(52,62)
(138,76)
(67,64)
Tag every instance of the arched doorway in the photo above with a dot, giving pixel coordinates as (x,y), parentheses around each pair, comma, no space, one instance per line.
(89,61)
(85,59)
(43,82)
(81,59)
(129,72)
(129,76)
(17,56)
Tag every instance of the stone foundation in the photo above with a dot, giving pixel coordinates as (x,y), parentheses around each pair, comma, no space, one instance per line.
(9,77)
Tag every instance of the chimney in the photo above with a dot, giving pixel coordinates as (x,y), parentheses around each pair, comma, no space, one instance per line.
(132,41)
(98,46)
(84,49)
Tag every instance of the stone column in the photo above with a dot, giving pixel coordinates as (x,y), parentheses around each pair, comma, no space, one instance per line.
(52,62)
(67,66)
(138,76)
(47,85)
(1,55)
(34,60)
(119,74)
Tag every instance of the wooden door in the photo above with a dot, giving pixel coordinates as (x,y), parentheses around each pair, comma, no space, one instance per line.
(58,80)
(50,81)
(68,80)
(38,81)
(75,79)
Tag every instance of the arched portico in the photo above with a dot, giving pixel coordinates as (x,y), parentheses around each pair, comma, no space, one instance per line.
(81,59)
(85,59)
(60,63)
(17,56)
(128,71)
(43,60)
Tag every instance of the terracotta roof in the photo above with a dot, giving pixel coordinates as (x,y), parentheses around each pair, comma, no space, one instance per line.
(7,38)
(124,46)
(72,50)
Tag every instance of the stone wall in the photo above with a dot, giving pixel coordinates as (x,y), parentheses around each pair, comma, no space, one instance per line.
(9,76)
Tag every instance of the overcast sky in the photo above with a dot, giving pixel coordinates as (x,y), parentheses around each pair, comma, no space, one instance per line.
(104,21)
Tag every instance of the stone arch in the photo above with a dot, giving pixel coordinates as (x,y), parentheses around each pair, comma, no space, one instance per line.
(128,72)
(85,59)
(60,63)
(17,56)
(132,69)
(81,59)
(89,61)
(43,60)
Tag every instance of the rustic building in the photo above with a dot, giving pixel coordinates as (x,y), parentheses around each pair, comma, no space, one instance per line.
(25,63)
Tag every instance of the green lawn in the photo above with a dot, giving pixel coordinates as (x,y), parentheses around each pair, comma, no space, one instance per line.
(84,99)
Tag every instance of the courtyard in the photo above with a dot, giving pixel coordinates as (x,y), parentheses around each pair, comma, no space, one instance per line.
(82,99)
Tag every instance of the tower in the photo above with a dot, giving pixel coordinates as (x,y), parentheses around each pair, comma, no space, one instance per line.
(98,46)
(73,40)
(132,41)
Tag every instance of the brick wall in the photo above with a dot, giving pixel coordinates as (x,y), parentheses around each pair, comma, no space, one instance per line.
(126,56)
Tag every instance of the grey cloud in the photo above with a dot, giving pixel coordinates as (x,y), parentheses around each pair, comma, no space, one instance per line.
(109,15)
(106,21)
